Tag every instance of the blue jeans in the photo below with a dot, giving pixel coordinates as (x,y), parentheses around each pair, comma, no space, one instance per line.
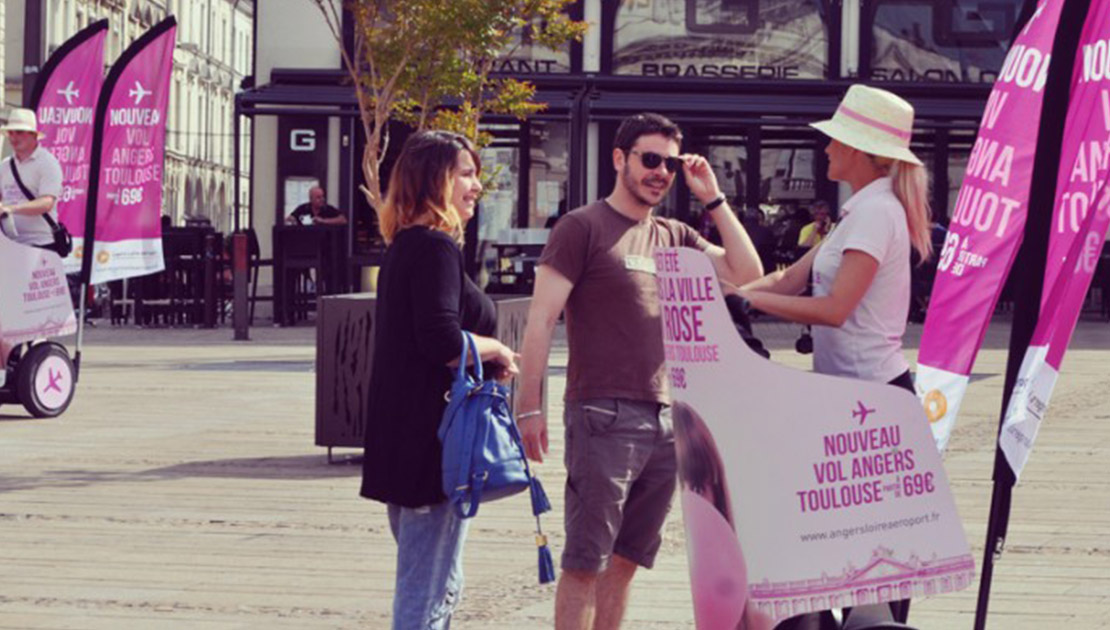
(429,565)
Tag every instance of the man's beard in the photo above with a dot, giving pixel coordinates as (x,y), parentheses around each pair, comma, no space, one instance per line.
(633,186)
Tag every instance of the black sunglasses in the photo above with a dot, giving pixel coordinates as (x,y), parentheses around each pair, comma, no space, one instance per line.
(652,160)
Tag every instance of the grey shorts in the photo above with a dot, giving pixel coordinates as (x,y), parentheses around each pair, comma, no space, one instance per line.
(621,468)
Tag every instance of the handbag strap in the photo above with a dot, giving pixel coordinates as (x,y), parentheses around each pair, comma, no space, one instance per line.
(464,485)
(469,346)
(30,195)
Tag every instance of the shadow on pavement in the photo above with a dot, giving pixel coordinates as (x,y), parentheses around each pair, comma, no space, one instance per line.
(306,467)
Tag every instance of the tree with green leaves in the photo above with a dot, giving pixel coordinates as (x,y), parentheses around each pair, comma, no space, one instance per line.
(410,59)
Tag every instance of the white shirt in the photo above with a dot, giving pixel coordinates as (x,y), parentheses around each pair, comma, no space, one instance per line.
(869,344)
(42,175)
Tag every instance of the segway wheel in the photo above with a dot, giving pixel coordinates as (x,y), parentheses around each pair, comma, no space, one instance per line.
(44,380)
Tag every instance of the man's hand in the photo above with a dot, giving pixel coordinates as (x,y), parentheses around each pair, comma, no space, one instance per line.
(533,432)
(700,178)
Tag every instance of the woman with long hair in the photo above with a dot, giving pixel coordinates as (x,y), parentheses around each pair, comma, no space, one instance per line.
(861,271)
(425,302)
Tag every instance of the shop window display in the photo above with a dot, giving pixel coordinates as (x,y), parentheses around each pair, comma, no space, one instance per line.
(943,40)
(731,39)
(525,57)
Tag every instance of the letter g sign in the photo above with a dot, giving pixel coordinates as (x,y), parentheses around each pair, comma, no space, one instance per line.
(302,140)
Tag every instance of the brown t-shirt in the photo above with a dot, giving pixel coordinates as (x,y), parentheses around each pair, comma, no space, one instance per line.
(613,323)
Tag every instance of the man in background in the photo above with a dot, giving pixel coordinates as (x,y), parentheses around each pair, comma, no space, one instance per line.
(316,211)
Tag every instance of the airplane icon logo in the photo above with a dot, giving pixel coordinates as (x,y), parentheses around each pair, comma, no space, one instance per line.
(55,380)
(862,412)
(139,92)
(70,93)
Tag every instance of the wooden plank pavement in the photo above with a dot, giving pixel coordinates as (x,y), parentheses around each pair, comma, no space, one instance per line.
(182,490)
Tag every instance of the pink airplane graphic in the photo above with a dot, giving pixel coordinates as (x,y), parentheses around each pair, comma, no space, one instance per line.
(863,412)
(55,379)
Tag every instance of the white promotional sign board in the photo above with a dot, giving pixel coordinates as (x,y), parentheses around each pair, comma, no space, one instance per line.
(801,492)
(34,296)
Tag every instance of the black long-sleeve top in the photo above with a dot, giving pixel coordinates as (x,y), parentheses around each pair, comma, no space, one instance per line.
(425,301)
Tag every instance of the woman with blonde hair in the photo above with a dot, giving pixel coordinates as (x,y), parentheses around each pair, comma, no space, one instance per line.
(425,301)
(861,270)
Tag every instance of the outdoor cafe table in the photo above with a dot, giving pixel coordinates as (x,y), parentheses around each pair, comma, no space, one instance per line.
(298,249)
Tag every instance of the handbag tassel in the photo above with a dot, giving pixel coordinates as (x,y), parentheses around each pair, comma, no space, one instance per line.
(540,504)
(547,566)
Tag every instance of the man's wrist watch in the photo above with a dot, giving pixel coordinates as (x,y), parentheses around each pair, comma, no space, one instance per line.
(716,203)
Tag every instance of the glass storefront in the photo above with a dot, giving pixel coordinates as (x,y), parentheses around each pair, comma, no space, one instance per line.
(525,57)
(724,39)
(955,41)
(500,162)
(959,148)
(549,159)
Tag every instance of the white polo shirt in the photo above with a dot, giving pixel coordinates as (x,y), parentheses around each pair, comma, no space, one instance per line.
(42,175)
(869,344)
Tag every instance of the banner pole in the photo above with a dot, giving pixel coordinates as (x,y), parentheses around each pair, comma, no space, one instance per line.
(80,332)
(1029,267)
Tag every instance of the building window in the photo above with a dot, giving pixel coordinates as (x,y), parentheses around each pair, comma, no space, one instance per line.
(731,39)
(524,56)
(941,40)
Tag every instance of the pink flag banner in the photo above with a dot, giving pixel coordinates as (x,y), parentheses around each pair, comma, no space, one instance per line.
(1080,220)
(792,503)
(987,224)
(128,156)
(65,103)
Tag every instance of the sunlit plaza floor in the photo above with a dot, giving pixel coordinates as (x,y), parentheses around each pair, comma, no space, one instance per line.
(183,490)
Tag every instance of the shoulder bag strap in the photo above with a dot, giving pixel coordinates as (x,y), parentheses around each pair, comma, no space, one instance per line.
(30,195)
(465,488)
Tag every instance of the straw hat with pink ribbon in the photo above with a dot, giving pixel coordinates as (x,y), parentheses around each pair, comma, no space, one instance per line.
(873,121)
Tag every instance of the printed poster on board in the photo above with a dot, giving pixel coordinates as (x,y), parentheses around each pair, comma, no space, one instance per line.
(34,295)
(800,492)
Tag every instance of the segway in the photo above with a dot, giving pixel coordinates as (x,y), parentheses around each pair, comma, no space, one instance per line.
(39,373)
(40,376)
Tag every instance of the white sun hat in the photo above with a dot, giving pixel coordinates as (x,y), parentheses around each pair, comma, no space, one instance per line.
(873,121)
(22,120)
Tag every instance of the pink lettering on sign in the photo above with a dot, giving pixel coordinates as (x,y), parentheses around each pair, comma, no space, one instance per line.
(862,467)
(66,101)
(129,151)
(987,221)
(1081,220)
(682,310)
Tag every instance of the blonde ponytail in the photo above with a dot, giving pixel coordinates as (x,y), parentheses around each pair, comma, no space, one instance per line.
(911,186)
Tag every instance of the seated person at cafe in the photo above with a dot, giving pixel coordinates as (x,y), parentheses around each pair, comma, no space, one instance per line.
(813,233)
(316,211)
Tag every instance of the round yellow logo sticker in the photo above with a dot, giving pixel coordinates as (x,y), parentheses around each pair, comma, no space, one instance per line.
(936,405)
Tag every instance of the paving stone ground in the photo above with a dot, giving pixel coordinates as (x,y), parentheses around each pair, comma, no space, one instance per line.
(182,490)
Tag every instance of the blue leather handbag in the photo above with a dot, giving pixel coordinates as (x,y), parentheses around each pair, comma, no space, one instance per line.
(483,457)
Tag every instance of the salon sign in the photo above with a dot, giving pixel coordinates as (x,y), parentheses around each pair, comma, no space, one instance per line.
(801,492)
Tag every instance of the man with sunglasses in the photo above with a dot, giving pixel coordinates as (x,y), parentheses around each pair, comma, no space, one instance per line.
(620,455)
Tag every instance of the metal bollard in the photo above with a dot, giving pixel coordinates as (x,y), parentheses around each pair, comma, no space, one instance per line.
(240,272)
(210,254)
